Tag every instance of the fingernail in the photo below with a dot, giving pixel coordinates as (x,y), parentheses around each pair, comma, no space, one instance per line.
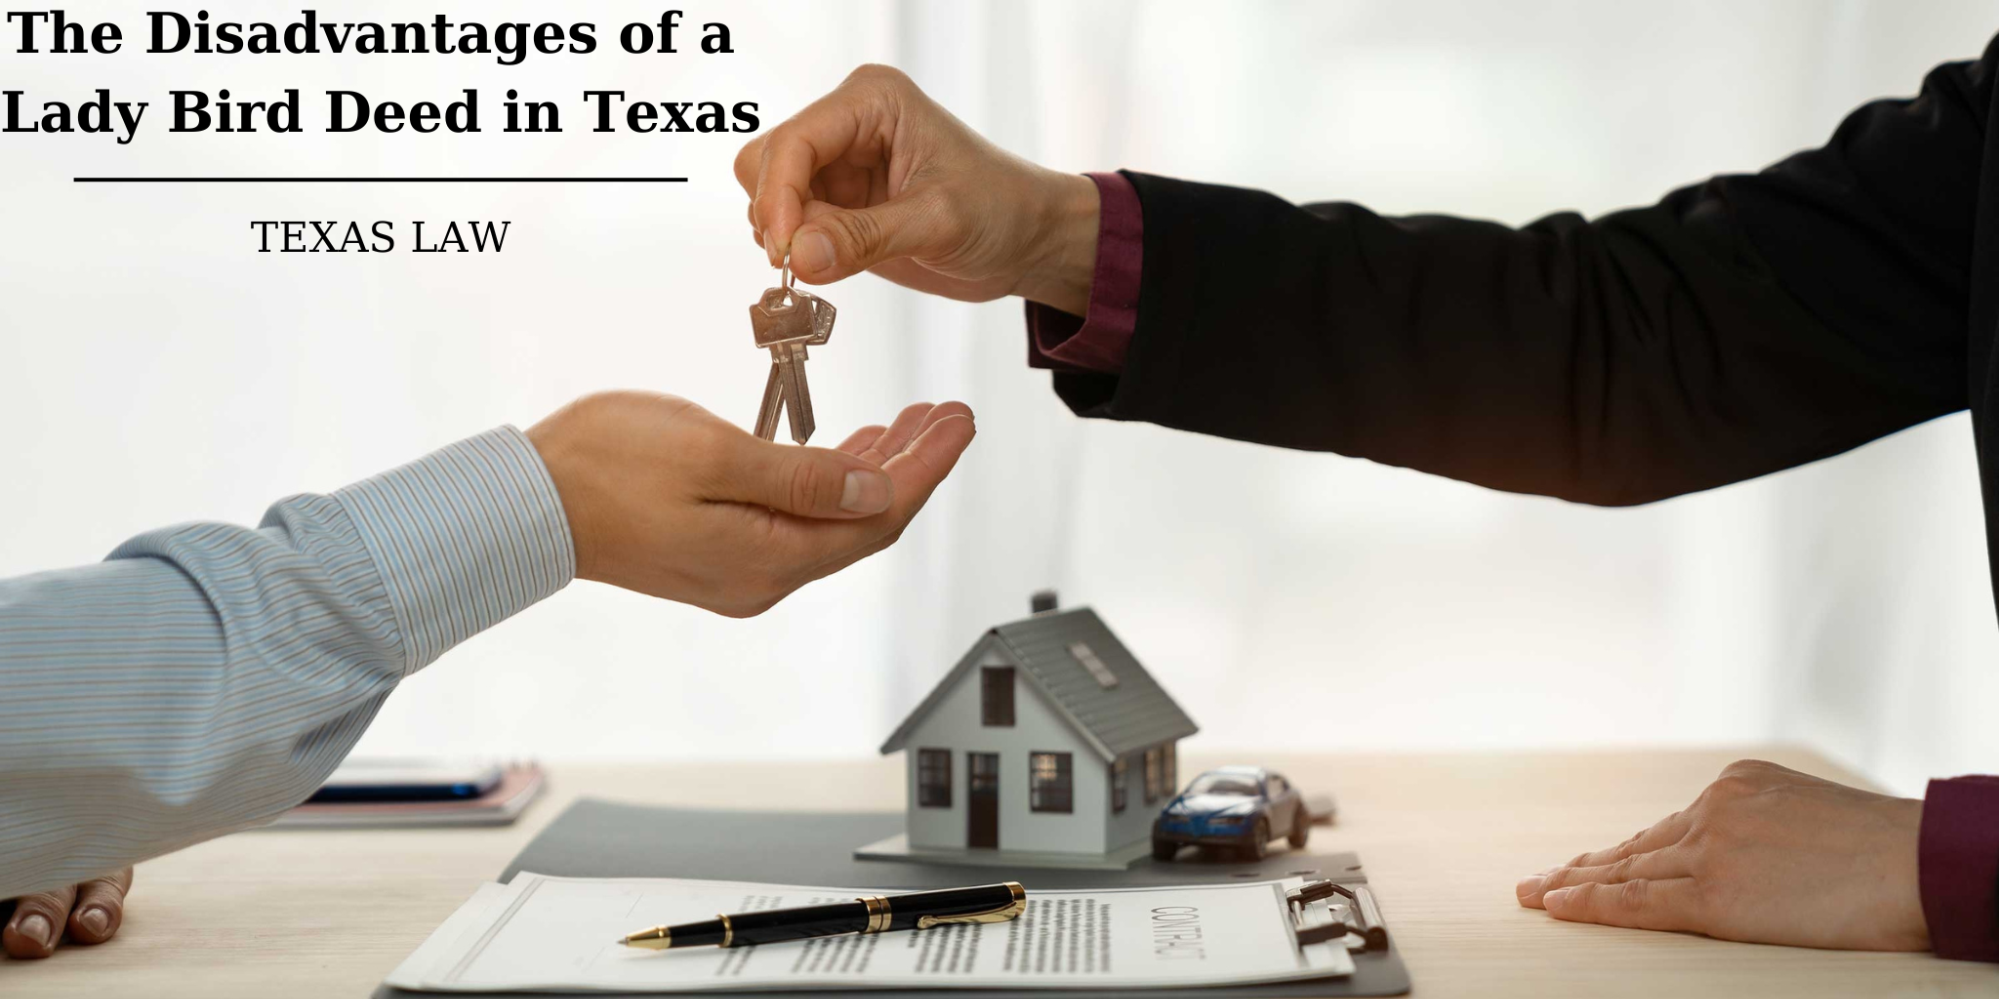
(865,493)
(1529,886)
(1554,898)
(36,928)
(811,252)
(771,249)
(95,920)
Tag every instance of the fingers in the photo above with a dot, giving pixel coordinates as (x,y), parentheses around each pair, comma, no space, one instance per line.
(861,440)
(807,482)
(100,908)
(1649,904)
(777,168)
(37,923)
(916,470)
(1663,864)
(749,163)
(941,412)
(921,465)
(92,913)
(900,432)
(1662,834)
(844,242)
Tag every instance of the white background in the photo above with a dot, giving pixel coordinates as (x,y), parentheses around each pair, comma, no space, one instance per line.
(155,368)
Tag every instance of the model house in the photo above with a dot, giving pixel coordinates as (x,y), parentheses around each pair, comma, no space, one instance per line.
(1047,738)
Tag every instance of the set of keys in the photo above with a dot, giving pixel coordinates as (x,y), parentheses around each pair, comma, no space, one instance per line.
(787,321)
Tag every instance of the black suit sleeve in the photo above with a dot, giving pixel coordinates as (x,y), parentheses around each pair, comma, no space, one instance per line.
(1740,326)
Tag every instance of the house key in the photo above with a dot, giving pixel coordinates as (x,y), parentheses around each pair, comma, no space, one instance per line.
(787,321)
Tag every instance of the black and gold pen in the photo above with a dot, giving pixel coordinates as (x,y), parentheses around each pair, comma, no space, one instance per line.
(979,904)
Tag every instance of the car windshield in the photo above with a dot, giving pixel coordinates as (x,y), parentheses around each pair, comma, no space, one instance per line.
(1222,784)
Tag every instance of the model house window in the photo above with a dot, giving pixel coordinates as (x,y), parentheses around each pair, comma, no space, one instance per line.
(1088,658)
(933,778)
(1152,775)
(996,696)
(1171,753)
(1117,786)
(1050,788)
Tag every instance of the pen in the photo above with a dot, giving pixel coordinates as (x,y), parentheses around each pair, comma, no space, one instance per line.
(979,904)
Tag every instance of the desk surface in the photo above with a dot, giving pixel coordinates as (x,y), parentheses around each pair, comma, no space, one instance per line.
(328,913)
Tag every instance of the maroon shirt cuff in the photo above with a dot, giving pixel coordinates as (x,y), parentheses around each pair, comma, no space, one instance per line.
(1958,867)
(1097,342)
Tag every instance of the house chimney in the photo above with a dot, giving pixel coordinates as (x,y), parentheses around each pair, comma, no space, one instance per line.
(1043,600)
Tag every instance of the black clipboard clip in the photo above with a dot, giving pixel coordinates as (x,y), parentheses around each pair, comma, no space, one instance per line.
(1358,915)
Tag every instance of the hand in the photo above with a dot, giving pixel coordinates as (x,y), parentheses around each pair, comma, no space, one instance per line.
(91,912)
(876,176)
(667,499)
(1764,854)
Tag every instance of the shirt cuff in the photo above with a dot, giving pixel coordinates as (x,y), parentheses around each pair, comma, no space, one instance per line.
(464,537)
(1097,342)
(1958,867)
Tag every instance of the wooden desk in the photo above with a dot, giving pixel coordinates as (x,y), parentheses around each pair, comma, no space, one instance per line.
(328,913)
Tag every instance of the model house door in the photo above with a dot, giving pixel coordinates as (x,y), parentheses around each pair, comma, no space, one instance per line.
(982,804)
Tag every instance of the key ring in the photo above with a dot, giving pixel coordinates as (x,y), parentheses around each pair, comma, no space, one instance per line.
(789,298)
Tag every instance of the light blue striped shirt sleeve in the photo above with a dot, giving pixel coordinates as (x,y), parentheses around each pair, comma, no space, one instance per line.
(207,677)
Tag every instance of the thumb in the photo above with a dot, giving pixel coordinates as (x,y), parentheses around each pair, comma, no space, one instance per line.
(844,242)
(808,482)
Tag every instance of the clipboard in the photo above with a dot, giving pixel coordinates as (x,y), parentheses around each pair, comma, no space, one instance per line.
(595,838)
(1353,914)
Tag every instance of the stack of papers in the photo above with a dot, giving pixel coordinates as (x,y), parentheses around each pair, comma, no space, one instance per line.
(561,934)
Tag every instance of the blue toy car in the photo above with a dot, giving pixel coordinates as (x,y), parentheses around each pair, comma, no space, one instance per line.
(1239,808)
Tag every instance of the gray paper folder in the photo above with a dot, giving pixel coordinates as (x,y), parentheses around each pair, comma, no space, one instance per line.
(599,839)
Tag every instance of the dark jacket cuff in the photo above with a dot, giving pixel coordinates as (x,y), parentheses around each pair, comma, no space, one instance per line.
(1958,864)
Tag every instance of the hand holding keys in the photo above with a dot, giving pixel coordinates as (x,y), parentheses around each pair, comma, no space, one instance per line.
(787,321)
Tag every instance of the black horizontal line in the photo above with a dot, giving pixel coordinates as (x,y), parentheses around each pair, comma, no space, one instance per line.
(379,180)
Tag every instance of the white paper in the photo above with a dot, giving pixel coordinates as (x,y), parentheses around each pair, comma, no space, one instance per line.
(543,933)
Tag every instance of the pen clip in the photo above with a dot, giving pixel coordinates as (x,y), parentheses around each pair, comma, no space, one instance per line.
(1012,909)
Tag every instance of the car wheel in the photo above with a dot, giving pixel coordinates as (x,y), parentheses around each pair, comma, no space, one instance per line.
(1258,846)
(1301,830)
(1164,850)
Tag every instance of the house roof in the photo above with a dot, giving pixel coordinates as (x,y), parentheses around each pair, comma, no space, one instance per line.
(1132,714)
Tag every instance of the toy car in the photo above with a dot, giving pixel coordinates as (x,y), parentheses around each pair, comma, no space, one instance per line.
(1241,808)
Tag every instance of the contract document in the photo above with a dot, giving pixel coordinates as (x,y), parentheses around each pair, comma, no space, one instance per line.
(561,934)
